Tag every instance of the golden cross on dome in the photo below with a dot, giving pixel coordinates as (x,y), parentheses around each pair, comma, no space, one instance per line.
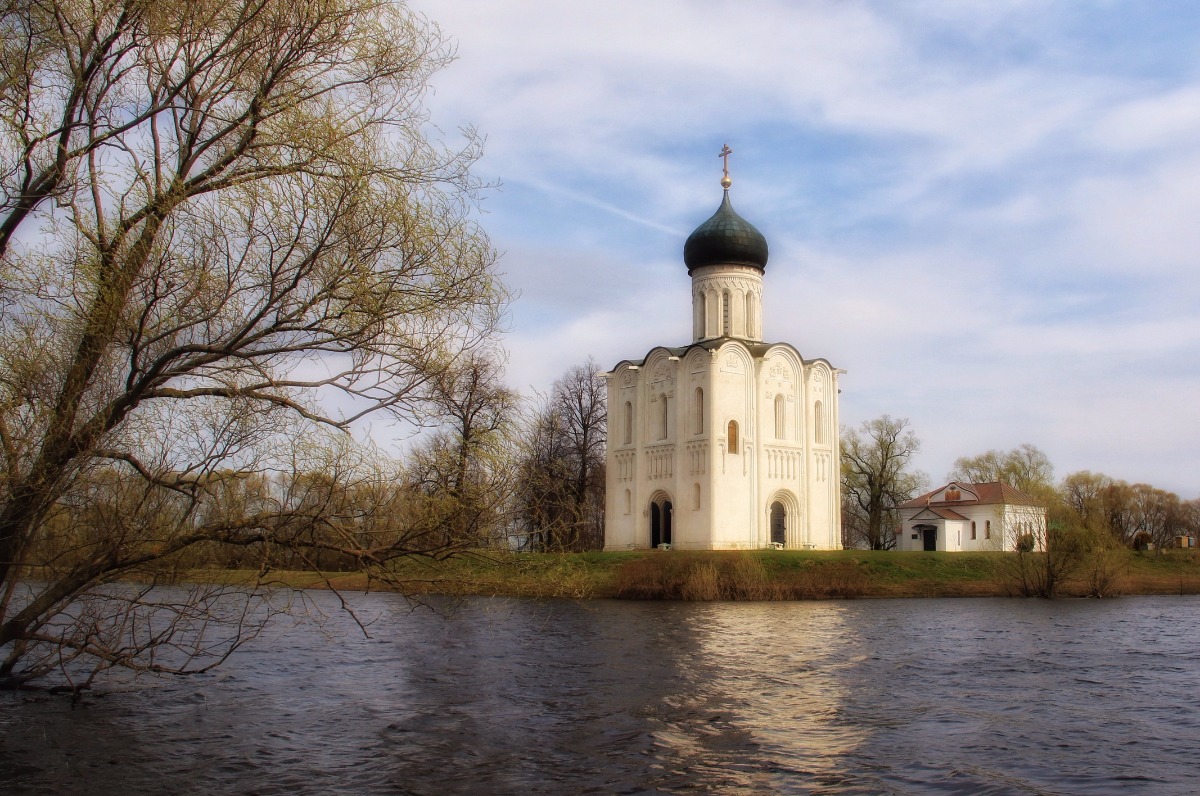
(724,156)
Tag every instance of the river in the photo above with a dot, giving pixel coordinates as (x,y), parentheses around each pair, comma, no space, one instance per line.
(943,696)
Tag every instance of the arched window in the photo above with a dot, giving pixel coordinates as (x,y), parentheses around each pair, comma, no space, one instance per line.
(780,426)
(702,320)
(698,412)
(628,501)
(662,417)
(696,496)
(972,529)
(726,312)
(749,314)
(987,529)
(819,422)
(732,437)
(628,423)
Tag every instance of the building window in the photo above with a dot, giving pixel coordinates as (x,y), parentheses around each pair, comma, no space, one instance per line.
(749,315)
(819,422)
(732,436)
(628,501)
(662,417)
(696,496)
(699,412)
(987,529)
(726,311)
(780,427)
(628,423)
(972,529)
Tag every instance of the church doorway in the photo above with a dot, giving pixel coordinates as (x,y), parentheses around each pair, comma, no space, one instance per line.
(778,524)
(660,523)
(929,536)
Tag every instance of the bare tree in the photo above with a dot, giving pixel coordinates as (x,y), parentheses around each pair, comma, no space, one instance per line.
(1136,516)
(222,226)
(875,480)
(1025,467)
(1158,517)
(464,468)
(561,479)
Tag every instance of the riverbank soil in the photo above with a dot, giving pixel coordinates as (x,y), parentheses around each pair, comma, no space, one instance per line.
(750,575)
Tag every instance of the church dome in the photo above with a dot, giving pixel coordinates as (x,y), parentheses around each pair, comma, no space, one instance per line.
(725,239)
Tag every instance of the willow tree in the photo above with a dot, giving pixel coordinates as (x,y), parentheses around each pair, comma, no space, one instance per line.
(1025,467)
(223,224)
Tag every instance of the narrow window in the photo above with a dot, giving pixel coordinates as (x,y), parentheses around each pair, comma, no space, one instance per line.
(628,423)
(699,412)
(780,428)
(987,529)
(628,501)
(662,417)
(702,306)
(732,436)
(696,496)
(726,324)
(749,315)
(819,421)
(972,529)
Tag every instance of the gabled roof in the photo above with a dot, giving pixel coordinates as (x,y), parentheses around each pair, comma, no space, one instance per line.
(986,494)
(930,513)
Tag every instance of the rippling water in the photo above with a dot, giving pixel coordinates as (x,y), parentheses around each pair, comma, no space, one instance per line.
(523,696)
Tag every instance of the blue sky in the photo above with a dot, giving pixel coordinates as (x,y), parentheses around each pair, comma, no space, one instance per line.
(986,211)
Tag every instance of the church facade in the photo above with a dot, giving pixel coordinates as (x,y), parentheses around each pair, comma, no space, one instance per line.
(728,442)
(965,516)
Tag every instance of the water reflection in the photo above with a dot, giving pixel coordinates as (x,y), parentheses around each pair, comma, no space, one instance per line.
(778,668)
(515,696)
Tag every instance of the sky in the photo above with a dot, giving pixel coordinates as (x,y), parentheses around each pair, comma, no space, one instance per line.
(987,212)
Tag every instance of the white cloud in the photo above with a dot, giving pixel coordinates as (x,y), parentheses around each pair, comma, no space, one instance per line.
(971,206)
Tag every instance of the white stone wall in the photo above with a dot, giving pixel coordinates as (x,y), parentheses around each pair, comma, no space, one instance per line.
(1006,523)
(727,302)
(721,490)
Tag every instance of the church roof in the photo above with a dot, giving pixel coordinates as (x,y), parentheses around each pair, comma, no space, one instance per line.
(986,494)
(756,350)
(725,239)
(941,514)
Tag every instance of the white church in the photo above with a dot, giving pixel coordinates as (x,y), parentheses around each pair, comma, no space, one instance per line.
(728,442)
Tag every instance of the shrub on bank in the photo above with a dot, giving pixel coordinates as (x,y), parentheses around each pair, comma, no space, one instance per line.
(735,576)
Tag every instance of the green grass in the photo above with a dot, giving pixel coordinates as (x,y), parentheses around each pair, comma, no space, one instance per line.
(751,575)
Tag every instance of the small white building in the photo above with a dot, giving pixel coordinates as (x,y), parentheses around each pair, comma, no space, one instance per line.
(727,442)
(964,516)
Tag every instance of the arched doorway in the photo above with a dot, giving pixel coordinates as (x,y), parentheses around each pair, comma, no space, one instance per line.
(660,522)
(778,524)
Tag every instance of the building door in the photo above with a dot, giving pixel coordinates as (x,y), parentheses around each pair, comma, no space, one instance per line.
(660,523)
(930,534)
(778,524)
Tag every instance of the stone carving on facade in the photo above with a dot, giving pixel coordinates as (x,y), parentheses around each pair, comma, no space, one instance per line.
(660,461)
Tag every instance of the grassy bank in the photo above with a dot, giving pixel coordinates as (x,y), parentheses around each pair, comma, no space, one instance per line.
(757,575)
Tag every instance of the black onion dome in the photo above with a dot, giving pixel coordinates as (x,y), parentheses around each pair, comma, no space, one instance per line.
(725,239)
